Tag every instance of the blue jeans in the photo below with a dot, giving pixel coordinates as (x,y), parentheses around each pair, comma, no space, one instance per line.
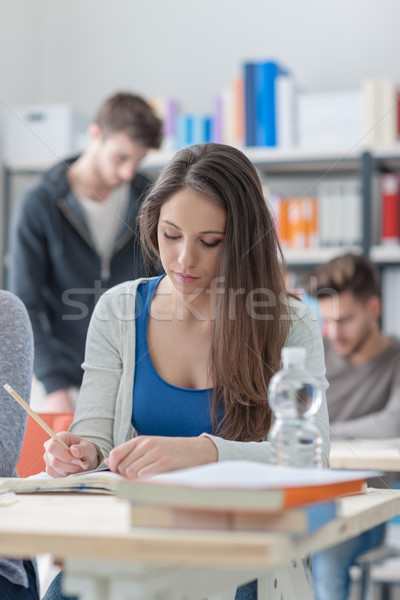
(244,592)
(331,567)
(11,591)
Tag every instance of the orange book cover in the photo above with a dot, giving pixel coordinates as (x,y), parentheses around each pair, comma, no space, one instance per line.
(296,223)
(310,216)
(282,222)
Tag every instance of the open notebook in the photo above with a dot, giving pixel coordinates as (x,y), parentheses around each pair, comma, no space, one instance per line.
(235,485)
(96,482)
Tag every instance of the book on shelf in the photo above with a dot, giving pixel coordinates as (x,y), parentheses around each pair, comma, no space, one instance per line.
(330,119)
(238,111)
(250,103)
(285,111)
(242,486)
(305,519)
(266,74)
(380,96)
(390,203)
(167,110)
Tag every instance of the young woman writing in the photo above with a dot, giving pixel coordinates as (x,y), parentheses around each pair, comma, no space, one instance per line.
(177,367)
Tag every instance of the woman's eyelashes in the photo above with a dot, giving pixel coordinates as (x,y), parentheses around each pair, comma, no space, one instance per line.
(170,237)
(213,244)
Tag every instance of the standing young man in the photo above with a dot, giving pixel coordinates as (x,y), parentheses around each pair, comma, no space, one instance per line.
(75,234)
(363,371)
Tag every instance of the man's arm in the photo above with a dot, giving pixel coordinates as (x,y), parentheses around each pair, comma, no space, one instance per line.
(16,358)
(29,274)
(378,424)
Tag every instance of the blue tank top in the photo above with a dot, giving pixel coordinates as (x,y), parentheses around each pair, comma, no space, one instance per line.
(160,408)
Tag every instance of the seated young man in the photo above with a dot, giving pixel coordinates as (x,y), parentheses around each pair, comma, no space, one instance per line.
(363,371)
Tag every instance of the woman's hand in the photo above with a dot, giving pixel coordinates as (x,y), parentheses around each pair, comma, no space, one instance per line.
(148,455)
(61,462)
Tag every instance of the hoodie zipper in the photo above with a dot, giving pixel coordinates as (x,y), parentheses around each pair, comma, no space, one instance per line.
(105,272)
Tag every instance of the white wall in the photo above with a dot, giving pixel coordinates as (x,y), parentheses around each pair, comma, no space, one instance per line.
(79,51)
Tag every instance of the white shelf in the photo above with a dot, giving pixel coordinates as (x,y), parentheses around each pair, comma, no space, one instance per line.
(264,157)
(316,255)
(385,254)
(260,156)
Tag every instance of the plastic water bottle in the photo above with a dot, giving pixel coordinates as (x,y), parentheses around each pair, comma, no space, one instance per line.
(294,397)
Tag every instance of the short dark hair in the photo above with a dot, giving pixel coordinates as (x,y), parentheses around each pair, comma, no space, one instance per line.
(349,272)
(130,114)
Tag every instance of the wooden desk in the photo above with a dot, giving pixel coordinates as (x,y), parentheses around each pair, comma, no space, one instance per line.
(373,454)
(106,559)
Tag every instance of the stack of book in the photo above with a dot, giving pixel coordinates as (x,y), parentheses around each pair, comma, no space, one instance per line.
(240,495)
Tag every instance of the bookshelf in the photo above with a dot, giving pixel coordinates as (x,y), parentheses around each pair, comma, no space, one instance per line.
(295,164)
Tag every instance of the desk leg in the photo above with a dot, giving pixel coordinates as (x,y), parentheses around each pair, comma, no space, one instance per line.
(288,583)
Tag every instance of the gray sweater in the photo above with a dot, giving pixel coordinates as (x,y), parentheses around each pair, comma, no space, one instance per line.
(364,400)
(16,364)
(104,409)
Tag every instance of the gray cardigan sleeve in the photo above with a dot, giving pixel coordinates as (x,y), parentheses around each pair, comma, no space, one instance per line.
(16,364)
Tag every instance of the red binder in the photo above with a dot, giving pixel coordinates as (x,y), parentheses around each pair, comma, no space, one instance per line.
(390,209)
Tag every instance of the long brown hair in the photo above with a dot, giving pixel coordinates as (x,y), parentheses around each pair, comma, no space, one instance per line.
(246,338)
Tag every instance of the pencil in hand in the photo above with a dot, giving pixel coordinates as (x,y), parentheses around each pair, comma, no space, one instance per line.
(38,419)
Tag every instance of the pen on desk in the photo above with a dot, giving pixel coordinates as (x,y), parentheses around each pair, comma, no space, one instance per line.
(37,418)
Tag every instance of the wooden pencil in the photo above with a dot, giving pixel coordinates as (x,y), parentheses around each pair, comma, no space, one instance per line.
(37,418)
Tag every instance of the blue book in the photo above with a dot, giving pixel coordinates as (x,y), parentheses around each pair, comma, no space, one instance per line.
(250,103)
(265,74)
(180,139)
(208,127)
(201,129)
(184,131)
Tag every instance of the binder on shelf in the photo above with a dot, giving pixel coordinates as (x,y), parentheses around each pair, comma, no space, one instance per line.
(250,103)
(266,74)
(330,119)
(167,110)
(390,188)
(285,111)
(239,127)
(380,97)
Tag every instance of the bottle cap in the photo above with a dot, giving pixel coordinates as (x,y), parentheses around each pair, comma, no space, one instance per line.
(293,356)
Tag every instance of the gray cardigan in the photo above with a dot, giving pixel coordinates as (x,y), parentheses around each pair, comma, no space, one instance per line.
(16,364)
(104,409)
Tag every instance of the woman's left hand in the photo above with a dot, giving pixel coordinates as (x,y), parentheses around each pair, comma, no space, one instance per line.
(147,455)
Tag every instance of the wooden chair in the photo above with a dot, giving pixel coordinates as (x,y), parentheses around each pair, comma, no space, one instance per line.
(31,460)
